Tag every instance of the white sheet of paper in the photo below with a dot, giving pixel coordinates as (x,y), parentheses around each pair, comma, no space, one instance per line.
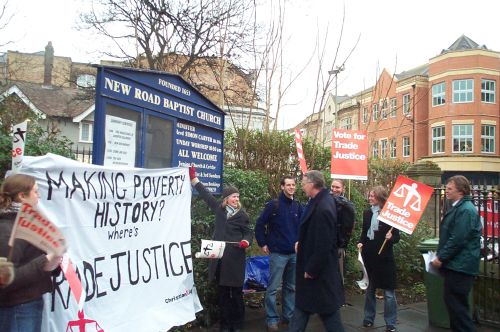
(428,258)
(363,283)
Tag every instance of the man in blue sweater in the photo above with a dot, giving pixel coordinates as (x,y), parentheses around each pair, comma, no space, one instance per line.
(277,232)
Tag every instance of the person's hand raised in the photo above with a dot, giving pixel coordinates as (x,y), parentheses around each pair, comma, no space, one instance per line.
(192,172)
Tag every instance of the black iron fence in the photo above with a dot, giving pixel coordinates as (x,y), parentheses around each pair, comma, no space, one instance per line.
(83,154)
(487,285)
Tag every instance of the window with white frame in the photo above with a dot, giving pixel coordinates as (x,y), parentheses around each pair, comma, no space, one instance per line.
(346,123)
(383,148)
(463,91)
(488,91)
(394,107)
(365,114)
(393,147)
(463,137)
(406,104)
(375,150)
(488,138)
(438,94)
(85,81)
(375,112)
(86,132)
(406,146)
(384,109)
(438,139)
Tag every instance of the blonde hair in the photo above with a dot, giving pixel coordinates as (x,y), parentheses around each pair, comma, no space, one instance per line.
(12,186)
(224,203)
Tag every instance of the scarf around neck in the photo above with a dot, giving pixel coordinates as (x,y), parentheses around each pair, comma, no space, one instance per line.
(374,222)
(230,211)
(14,207)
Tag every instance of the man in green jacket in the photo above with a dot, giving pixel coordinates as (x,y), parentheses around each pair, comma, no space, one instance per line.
(458,252)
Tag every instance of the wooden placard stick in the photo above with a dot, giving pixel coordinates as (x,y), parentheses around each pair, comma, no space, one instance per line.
(383,244)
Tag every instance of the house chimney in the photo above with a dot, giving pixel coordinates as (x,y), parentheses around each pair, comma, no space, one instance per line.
(48,64)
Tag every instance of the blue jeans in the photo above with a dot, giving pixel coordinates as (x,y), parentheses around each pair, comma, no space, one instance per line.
(26,317)
(281,268)
(331,322)
(390,306)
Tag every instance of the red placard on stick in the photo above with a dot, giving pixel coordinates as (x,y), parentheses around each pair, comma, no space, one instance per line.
(349,154)
(406,204)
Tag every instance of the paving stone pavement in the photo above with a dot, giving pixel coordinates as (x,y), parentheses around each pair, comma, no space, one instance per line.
(411,318)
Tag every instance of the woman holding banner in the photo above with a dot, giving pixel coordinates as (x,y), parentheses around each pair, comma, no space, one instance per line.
(231,225)
(380,264)
(21,302)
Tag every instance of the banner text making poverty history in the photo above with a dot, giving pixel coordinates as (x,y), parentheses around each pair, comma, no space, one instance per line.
(140,199)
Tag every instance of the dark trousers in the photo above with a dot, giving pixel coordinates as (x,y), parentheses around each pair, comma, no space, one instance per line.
(457,287)
(331,321)
(231,306)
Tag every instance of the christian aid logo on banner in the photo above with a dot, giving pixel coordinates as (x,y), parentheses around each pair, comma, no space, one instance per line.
(81,324)
(405,204)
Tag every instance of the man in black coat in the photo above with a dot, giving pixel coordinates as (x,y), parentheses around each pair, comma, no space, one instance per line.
(318,281)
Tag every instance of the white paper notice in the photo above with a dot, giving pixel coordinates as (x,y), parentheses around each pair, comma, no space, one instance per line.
(120,142)
(428,258)
(363,283)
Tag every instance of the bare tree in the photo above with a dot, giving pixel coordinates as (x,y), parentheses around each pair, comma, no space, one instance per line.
(164,30)
(323,82)
(5,19)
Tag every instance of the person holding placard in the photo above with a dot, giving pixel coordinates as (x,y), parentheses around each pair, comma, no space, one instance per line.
(380,265)
(21,302)
(231,225)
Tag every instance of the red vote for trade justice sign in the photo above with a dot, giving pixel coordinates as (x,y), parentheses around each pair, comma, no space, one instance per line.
(405,204)
(349,155)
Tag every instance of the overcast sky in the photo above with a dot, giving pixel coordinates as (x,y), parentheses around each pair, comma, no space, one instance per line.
(395,34)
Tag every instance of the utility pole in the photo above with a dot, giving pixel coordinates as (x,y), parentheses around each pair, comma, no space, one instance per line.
(336,73)
(414,120)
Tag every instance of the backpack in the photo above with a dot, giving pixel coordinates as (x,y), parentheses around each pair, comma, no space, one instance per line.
(345,220)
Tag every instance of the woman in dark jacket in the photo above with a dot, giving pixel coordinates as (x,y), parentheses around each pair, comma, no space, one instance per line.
(231,225)
(381,268)
(21,302)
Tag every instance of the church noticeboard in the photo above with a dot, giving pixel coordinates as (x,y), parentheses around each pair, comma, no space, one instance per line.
(156,120)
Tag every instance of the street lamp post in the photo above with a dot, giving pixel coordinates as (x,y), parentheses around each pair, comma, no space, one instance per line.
(413,86)
(336,73)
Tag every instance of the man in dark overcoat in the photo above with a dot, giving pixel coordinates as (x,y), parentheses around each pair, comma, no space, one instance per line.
(318,281)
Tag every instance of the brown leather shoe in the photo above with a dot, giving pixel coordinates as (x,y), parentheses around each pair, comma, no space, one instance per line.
(284,326)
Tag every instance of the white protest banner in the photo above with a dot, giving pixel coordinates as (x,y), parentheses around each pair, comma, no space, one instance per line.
(31,225)
(129,238)
(18,142)
(211,249)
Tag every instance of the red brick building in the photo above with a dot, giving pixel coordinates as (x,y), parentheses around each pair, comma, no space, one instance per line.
(446,111)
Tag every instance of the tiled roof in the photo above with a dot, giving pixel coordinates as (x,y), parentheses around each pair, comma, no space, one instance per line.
(54,101)
(463,43)
(422,70)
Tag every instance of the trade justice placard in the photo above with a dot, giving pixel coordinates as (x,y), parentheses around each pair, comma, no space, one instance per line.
(405,204)
(349,154)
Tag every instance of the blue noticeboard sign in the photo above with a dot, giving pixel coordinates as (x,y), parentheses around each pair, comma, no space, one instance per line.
(155,120)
